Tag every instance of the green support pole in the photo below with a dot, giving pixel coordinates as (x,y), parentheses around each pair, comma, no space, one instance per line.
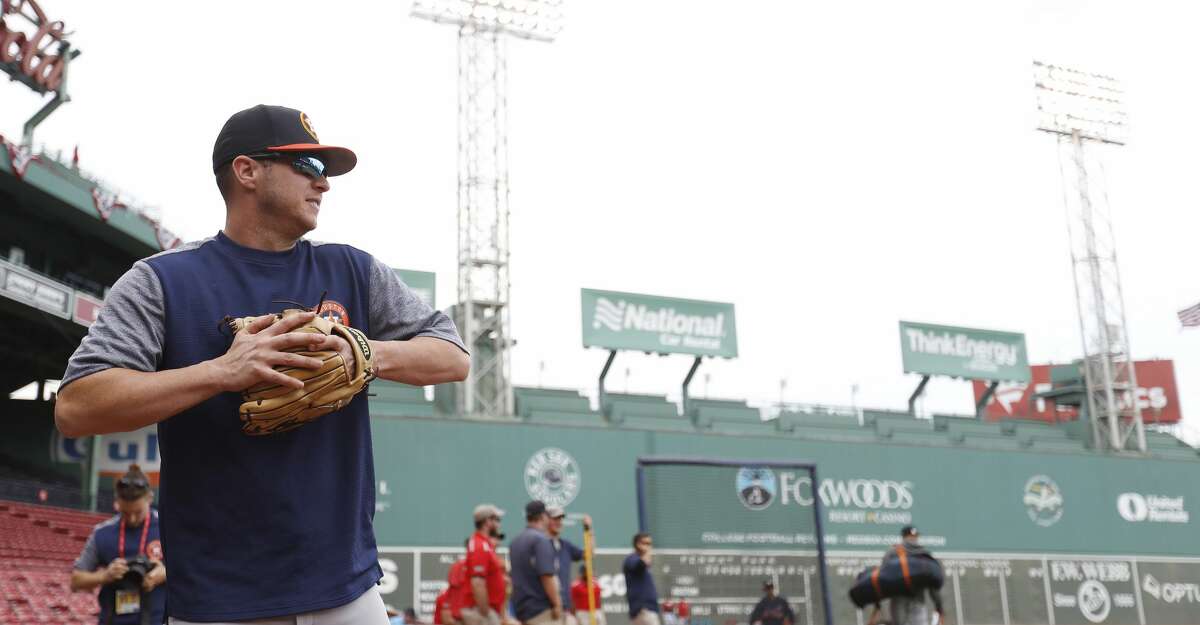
(612,354)
(687,382)
(93,476)
(912,400)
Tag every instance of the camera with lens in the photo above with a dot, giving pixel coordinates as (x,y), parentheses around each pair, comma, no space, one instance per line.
(139,567)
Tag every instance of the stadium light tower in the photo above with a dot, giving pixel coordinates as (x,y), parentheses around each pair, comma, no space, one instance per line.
(482,312)
(1084,110)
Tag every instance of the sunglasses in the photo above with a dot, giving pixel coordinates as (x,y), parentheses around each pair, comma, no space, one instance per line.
(132,484)
(307,164)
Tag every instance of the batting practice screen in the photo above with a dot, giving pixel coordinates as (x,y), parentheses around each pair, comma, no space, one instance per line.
(723,528)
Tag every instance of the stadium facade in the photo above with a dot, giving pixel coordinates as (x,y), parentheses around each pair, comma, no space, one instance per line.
(1033,525)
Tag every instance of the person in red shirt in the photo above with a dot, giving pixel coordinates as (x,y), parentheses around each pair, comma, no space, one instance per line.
(484,591)
(448,609)
(683,610)
(579,599)
(441,609)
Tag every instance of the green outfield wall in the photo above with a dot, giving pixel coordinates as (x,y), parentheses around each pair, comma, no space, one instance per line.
(1026,538)
(433,471)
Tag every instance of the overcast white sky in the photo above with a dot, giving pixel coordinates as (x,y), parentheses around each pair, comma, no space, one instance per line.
(829,167)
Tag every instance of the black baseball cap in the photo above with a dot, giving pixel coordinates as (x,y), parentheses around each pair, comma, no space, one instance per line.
(265,128)
(534,508)
(907,531)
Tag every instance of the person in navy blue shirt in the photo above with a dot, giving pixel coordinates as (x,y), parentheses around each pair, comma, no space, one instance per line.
(535,599)
(257,527)
(639,582)
(104,561)
(566,552)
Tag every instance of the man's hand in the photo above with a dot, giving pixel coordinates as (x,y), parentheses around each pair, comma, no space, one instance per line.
(155,577)
(346,352)
(556,612)
(115,570)
(263,345)
(587,522)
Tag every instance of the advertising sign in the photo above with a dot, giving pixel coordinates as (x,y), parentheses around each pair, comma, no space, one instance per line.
(69,450)
(1157,396)
(32,46)
(722,587)
(963,352)
(117,451)
(422,283)
(653,324)
(36,290)
(87,309)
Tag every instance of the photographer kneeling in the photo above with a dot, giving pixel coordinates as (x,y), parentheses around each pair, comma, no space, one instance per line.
(124,557)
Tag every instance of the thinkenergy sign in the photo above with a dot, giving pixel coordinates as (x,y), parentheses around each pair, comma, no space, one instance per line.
(665,325)
(963,352)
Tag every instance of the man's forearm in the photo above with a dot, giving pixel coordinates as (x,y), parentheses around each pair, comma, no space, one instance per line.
(480,593)
(936,595)
(87,580)
(550,585)
(123,400)
(421,361)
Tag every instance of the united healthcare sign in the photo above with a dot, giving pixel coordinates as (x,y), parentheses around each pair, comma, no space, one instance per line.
(664,325)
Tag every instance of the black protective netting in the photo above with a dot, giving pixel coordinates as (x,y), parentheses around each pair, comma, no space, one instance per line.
(720,531)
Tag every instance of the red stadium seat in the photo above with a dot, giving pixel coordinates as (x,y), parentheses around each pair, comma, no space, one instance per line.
(37,547)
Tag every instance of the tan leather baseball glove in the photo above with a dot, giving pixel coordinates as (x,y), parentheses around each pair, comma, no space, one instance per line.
(269,408)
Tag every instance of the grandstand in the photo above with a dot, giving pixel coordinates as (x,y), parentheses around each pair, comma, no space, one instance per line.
(66,239)
(737,418)
(37,546)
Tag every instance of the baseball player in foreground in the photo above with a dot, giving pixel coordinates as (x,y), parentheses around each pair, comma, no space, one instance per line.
(267,480)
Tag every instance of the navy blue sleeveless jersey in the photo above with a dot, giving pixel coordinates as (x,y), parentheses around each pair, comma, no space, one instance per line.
(256,526)
(103,547)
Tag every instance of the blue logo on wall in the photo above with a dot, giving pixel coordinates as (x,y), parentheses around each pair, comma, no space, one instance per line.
(756,487)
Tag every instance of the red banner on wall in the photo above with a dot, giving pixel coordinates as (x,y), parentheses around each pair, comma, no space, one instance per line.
(1157,396)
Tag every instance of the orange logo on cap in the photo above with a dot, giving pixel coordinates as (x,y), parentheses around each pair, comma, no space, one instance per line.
(307,123)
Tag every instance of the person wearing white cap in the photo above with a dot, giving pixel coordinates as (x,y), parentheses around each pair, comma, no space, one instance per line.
(911,610)
(567,552)
(483,601)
